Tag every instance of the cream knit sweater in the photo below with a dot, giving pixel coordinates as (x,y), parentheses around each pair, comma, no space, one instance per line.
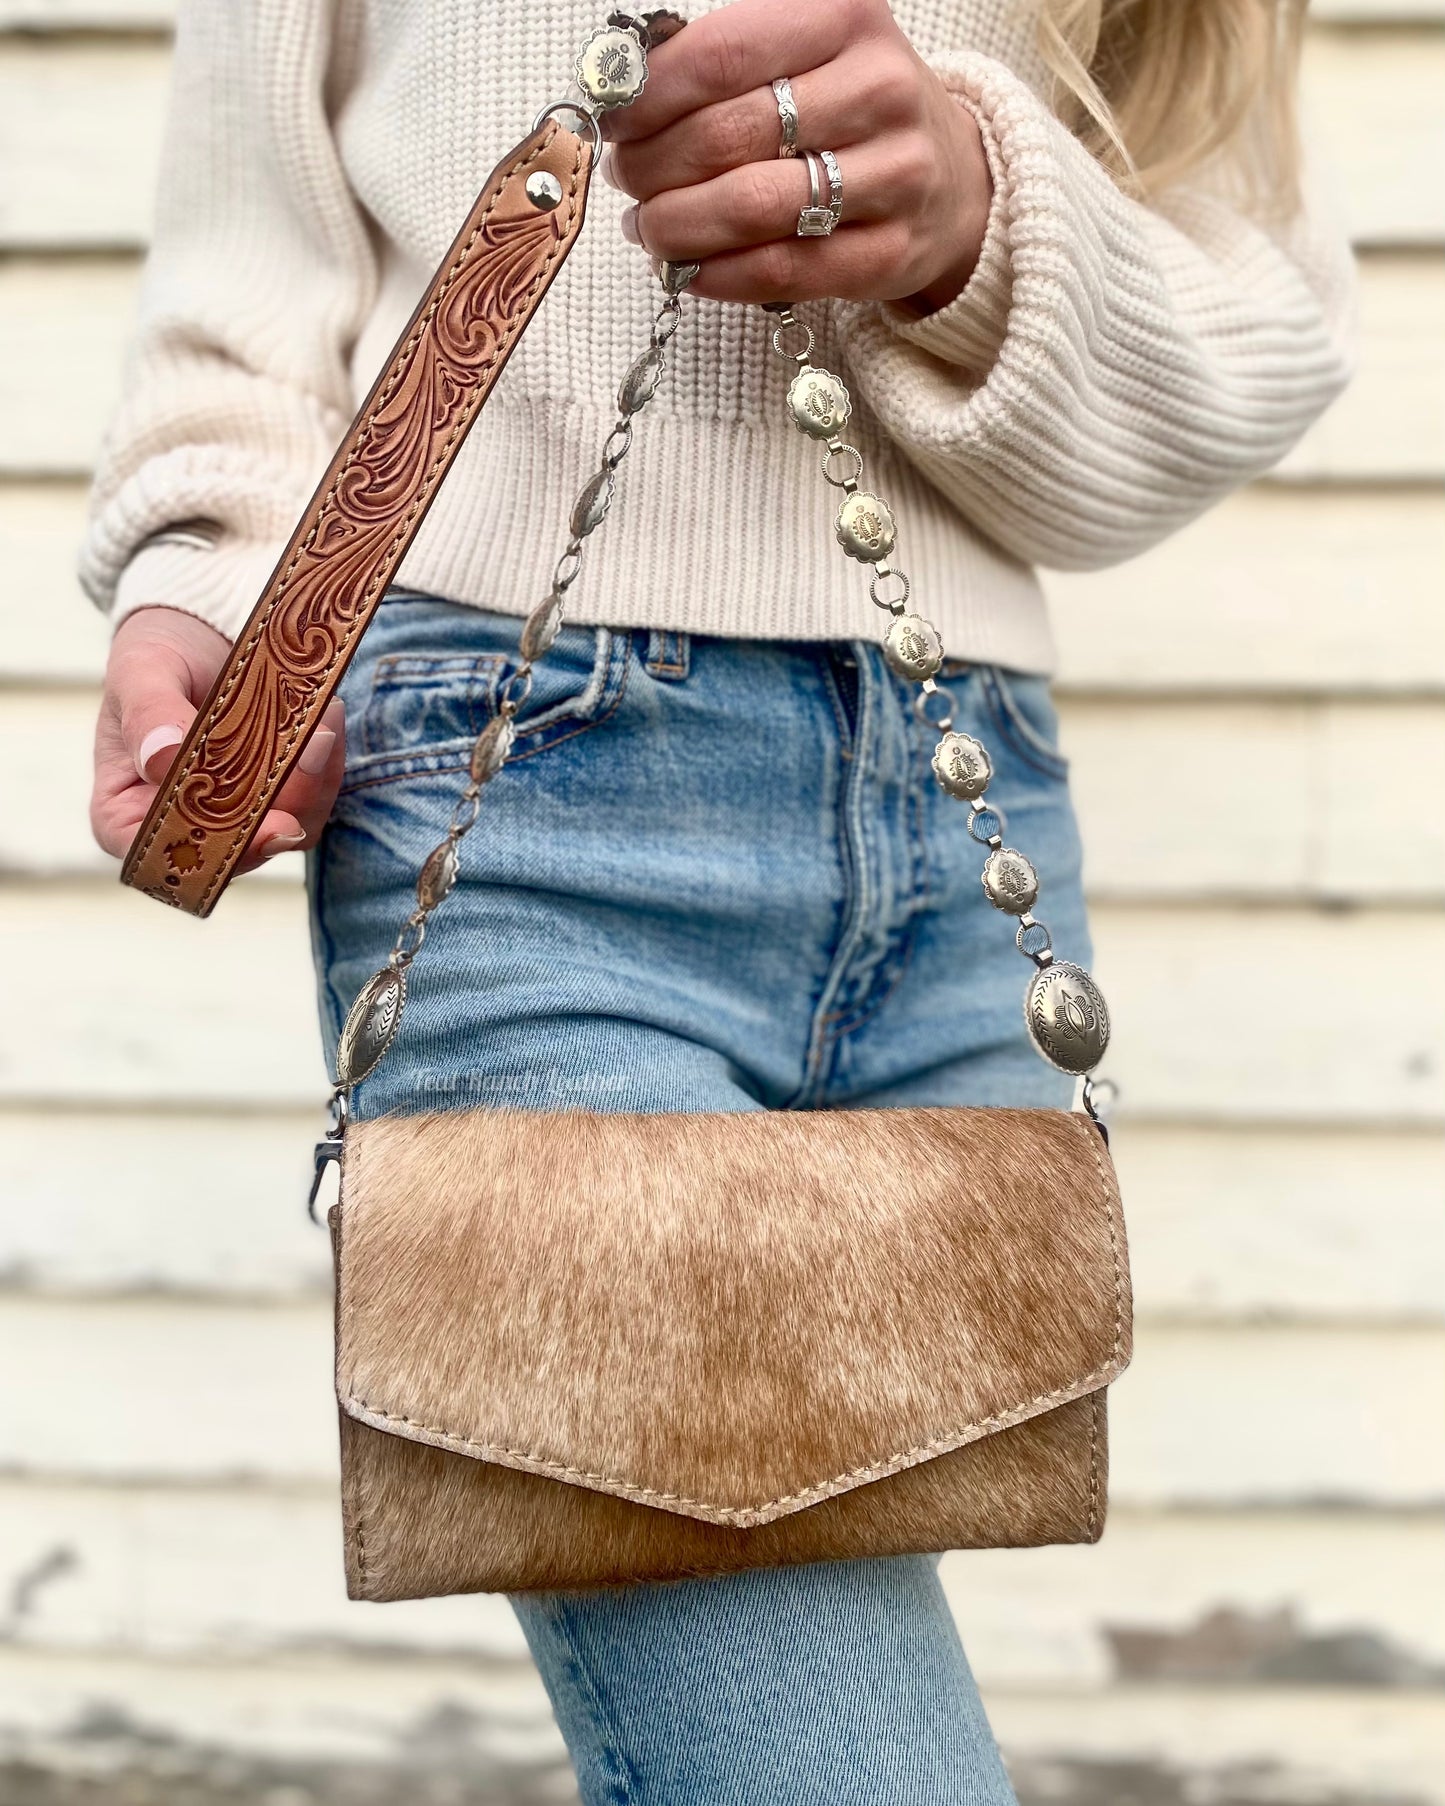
(1108,372)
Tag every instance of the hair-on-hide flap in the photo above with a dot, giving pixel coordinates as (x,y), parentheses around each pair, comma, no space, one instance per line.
(725,1319)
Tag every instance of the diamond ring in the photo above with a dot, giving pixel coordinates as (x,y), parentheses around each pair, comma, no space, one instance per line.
(816,220)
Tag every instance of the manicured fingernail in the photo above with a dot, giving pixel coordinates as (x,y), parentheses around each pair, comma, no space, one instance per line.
(629,227)
(281,843)
(158,740)
(604,167)
(318,752)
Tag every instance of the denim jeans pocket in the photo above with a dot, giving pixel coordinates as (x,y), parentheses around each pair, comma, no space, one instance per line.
(427,703)
(431,674)
(1024,714)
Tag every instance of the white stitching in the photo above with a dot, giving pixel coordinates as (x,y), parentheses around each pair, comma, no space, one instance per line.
(172,791)
(744,1515)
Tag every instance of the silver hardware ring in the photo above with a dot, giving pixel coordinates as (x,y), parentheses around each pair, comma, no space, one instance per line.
(580,109)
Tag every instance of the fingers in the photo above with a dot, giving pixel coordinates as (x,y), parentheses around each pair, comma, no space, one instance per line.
(838,105)
(844,265)
(760,202)
(152,687)
(162,664)
(305,801)
(725,53)
(149,703)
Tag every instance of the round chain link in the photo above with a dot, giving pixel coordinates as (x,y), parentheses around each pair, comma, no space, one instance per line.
(840,448)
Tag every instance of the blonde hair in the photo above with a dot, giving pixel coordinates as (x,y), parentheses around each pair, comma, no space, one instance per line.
(1161,89)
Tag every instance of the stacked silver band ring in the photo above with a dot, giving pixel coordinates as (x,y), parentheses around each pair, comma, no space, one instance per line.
(816,220)
(788,116)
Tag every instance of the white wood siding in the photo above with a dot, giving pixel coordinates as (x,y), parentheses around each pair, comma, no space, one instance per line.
(1256,716)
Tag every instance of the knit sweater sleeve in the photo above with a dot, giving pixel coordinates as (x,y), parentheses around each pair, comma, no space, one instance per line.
(260,272)
(1111,369)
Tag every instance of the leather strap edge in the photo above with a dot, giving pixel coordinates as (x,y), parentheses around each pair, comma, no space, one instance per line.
(186,864)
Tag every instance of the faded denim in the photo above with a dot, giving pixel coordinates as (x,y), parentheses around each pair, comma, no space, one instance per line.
(715,875)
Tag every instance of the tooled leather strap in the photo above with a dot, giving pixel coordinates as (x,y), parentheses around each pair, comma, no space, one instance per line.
(302,634)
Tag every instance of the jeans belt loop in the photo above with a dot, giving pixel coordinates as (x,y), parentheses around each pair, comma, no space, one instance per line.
(669,654)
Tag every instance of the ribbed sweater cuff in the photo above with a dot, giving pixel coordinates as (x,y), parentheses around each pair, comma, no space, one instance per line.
(970,329)
(217,584)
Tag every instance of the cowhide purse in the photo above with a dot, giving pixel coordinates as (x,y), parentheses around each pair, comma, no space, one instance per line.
(575,1350)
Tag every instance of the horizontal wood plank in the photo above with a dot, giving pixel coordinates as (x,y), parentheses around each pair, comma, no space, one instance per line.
(332,1727)
(1378,12)
(151,1389)
(1157,822)
(231,1019)
(1274,1015)
(1389,425)
(80,140)
(73,315)
(49,632)
(81,1209)
(160,1007)
(1371,105)
(88,15)
(1278,1415)
(1278,590)
(1169,1745)
(1224,1224)
(154,1570)
(1277,1224)
(312,1713)
(1060,1617)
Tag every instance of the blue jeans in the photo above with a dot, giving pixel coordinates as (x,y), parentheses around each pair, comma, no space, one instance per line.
(715,875)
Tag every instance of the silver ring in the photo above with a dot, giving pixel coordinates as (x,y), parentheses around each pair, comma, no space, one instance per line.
(788,115)
(835,184)
(817,221)
(580,109)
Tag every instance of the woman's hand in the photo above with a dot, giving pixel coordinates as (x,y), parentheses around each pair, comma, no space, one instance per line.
(698,150)
(162,663)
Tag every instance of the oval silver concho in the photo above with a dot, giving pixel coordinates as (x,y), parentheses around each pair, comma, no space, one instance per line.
(438,875)
(913,647)
(819,402)
(640,383)
(370,1026)
(1067,1017)
(1010,882)
(611,67)
(962,766)
(865,527)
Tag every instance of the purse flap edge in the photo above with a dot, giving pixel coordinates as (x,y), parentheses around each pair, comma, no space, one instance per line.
(976,1184)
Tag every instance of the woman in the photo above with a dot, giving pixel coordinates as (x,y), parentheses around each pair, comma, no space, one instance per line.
(1076,300)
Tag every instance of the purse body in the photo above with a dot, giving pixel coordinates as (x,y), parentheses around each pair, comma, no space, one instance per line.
(579,1350)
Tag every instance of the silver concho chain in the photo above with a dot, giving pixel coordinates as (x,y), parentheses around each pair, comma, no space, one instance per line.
(1064,1009)
(1067,1017)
